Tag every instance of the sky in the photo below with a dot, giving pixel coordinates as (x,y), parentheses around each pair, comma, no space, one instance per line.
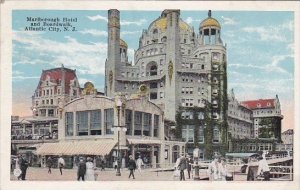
(260,51)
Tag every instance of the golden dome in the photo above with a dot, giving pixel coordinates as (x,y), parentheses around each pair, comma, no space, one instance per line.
(123,43)
(161,24)
(210,22)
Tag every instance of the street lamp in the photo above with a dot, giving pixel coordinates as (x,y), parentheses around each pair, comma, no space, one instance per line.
(196,165)
(119,128)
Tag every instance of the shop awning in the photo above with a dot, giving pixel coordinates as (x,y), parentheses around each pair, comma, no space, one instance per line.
(101,147)
(143,141)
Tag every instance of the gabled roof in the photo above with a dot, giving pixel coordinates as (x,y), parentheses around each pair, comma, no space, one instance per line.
(56,76)
(258,104)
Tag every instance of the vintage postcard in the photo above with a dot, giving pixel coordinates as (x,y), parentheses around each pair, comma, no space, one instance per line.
(131,94)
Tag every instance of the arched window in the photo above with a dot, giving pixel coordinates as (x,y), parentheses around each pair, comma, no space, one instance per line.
(164,39)
(155,31)
(153,70)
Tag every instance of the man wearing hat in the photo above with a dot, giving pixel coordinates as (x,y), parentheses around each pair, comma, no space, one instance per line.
(131,166)
(182,167)
(189,163)
(214,168)
(139,163)
(81,169)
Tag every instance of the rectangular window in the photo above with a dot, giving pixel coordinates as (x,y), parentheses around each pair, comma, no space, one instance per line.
(137,123)
(95,122)
(108,120)
(147,124)
(156,125)
(216,135)
(188,133)
(69,123)
(51,113)
(128,121)
(161,94)
(201,134)
(82,123)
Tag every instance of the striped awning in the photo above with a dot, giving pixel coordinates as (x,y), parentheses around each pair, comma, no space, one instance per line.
(77,148)
(143,141)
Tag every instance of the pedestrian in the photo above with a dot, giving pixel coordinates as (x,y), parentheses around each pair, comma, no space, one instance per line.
(61,164)
(49,164)
(81,169)
(102,164)
(90,170)
(23,167)
(224,171)
(214,169)
(116,164)
(182,167)
(139,163)
(131,166)
(17,171)
(189,163)
(263,169)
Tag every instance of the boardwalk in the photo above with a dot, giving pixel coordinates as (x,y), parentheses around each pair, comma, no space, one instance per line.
(40,174)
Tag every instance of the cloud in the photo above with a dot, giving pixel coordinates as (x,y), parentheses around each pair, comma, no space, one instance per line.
(19,76)
(97,17)
(271,33)
(87,56)
(122,22)
(189,20)
(94,32)
(123,33)
(138,22)
(229,21)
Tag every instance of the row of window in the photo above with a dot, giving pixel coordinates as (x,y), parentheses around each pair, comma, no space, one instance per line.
(90,123)
(190,115)
(190,102)
(188,134)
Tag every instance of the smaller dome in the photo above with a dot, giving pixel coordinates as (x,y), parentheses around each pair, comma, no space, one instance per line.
(123,43)
(210,21)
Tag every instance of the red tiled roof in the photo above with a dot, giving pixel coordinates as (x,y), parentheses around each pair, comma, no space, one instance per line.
(56,75)
(257,104)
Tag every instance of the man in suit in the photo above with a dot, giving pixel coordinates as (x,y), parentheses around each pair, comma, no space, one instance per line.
(182,167)
(23,166)
(81,169)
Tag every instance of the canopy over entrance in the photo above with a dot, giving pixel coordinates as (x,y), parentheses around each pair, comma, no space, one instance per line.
(101,147)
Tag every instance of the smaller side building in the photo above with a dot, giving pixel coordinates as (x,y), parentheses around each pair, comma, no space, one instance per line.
(240,119)
(267,118)
(99,126)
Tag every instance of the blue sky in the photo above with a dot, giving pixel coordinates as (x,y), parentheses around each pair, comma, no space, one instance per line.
(260,47)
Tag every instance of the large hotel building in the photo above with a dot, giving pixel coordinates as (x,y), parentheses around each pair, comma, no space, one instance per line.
(170,100)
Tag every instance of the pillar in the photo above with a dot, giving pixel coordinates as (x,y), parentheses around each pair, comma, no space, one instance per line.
(153,158)
(132,151)
(50,127)
(162,155)
(102,123)
(32,128)
(132,133)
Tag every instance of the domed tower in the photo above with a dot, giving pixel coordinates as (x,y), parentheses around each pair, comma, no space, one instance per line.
(213,54)
(210,31)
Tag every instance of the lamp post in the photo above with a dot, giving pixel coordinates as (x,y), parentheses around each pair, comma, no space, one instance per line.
(119,128)
(196,165)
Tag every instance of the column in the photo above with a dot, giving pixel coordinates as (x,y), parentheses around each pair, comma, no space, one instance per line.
(180,150)
(32,128)
(162,155)
(132,151)
(133,112)
(170,152)
(74,124)
(50,127)
(153,158)
(152,125)
(102,122)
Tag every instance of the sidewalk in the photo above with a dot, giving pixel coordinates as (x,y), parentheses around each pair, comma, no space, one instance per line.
(41,174)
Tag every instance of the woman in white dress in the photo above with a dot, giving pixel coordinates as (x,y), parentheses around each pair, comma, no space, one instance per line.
(90,170)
